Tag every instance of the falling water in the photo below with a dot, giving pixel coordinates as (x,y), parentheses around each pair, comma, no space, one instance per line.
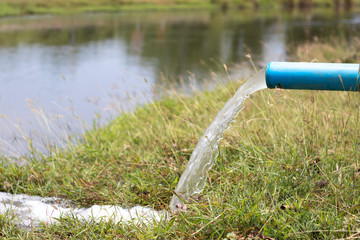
(193,179)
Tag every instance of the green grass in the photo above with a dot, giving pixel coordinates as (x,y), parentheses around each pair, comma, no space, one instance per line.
(24,7)
(288,168)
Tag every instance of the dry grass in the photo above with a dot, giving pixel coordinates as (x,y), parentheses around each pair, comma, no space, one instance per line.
(345,50)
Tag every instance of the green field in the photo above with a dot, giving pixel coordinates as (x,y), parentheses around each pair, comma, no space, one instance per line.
(288,168)
(24,7)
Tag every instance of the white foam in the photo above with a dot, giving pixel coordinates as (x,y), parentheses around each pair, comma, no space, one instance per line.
(30,211)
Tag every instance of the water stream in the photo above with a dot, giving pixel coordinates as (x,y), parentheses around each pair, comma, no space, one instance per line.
(193,179)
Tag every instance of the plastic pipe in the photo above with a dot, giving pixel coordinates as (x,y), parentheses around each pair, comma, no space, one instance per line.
(314,76)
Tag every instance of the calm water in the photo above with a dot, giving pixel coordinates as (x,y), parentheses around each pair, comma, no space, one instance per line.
(58,73)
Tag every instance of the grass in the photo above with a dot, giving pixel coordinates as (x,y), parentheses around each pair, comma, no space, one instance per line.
(288,168)
(339,49)
(23,7)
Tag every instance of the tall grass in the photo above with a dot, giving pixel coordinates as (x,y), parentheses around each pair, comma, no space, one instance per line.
(288,168)
(41,133)
(340,49)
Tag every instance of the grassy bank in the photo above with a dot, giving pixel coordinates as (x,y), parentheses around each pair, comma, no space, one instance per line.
(23,7)
(288,168)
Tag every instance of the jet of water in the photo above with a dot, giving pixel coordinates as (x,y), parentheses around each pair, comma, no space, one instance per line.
(193,179)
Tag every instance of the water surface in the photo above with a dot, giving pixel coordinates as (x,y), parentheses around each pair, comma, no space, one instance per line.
(57,72)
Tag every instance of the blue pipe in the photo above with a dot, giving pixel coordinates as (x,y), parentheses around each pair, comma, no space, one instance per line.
(314,76)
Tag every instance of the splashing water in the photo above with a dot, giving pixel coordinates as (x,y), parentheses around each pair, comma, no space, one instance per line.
(193,179)
(30,211)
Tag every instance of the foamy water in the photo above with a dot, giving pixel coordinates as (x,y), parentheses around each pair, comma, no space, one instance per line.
(193,179)
(30,211)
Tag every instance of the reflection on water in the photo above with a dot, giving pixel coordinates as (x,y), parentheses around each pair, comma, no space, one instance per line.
(82,64)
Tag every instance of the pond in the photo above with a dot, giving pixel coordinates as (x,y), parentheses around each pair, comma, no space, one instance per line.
(59,73)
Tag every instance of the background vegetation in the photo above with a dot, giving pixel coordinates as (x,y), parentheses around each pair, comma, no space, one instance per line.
(21,7)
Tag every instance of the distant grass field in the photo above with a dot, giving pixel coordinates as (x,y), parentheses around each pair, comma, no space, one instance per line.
(288,168)
(24,7)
